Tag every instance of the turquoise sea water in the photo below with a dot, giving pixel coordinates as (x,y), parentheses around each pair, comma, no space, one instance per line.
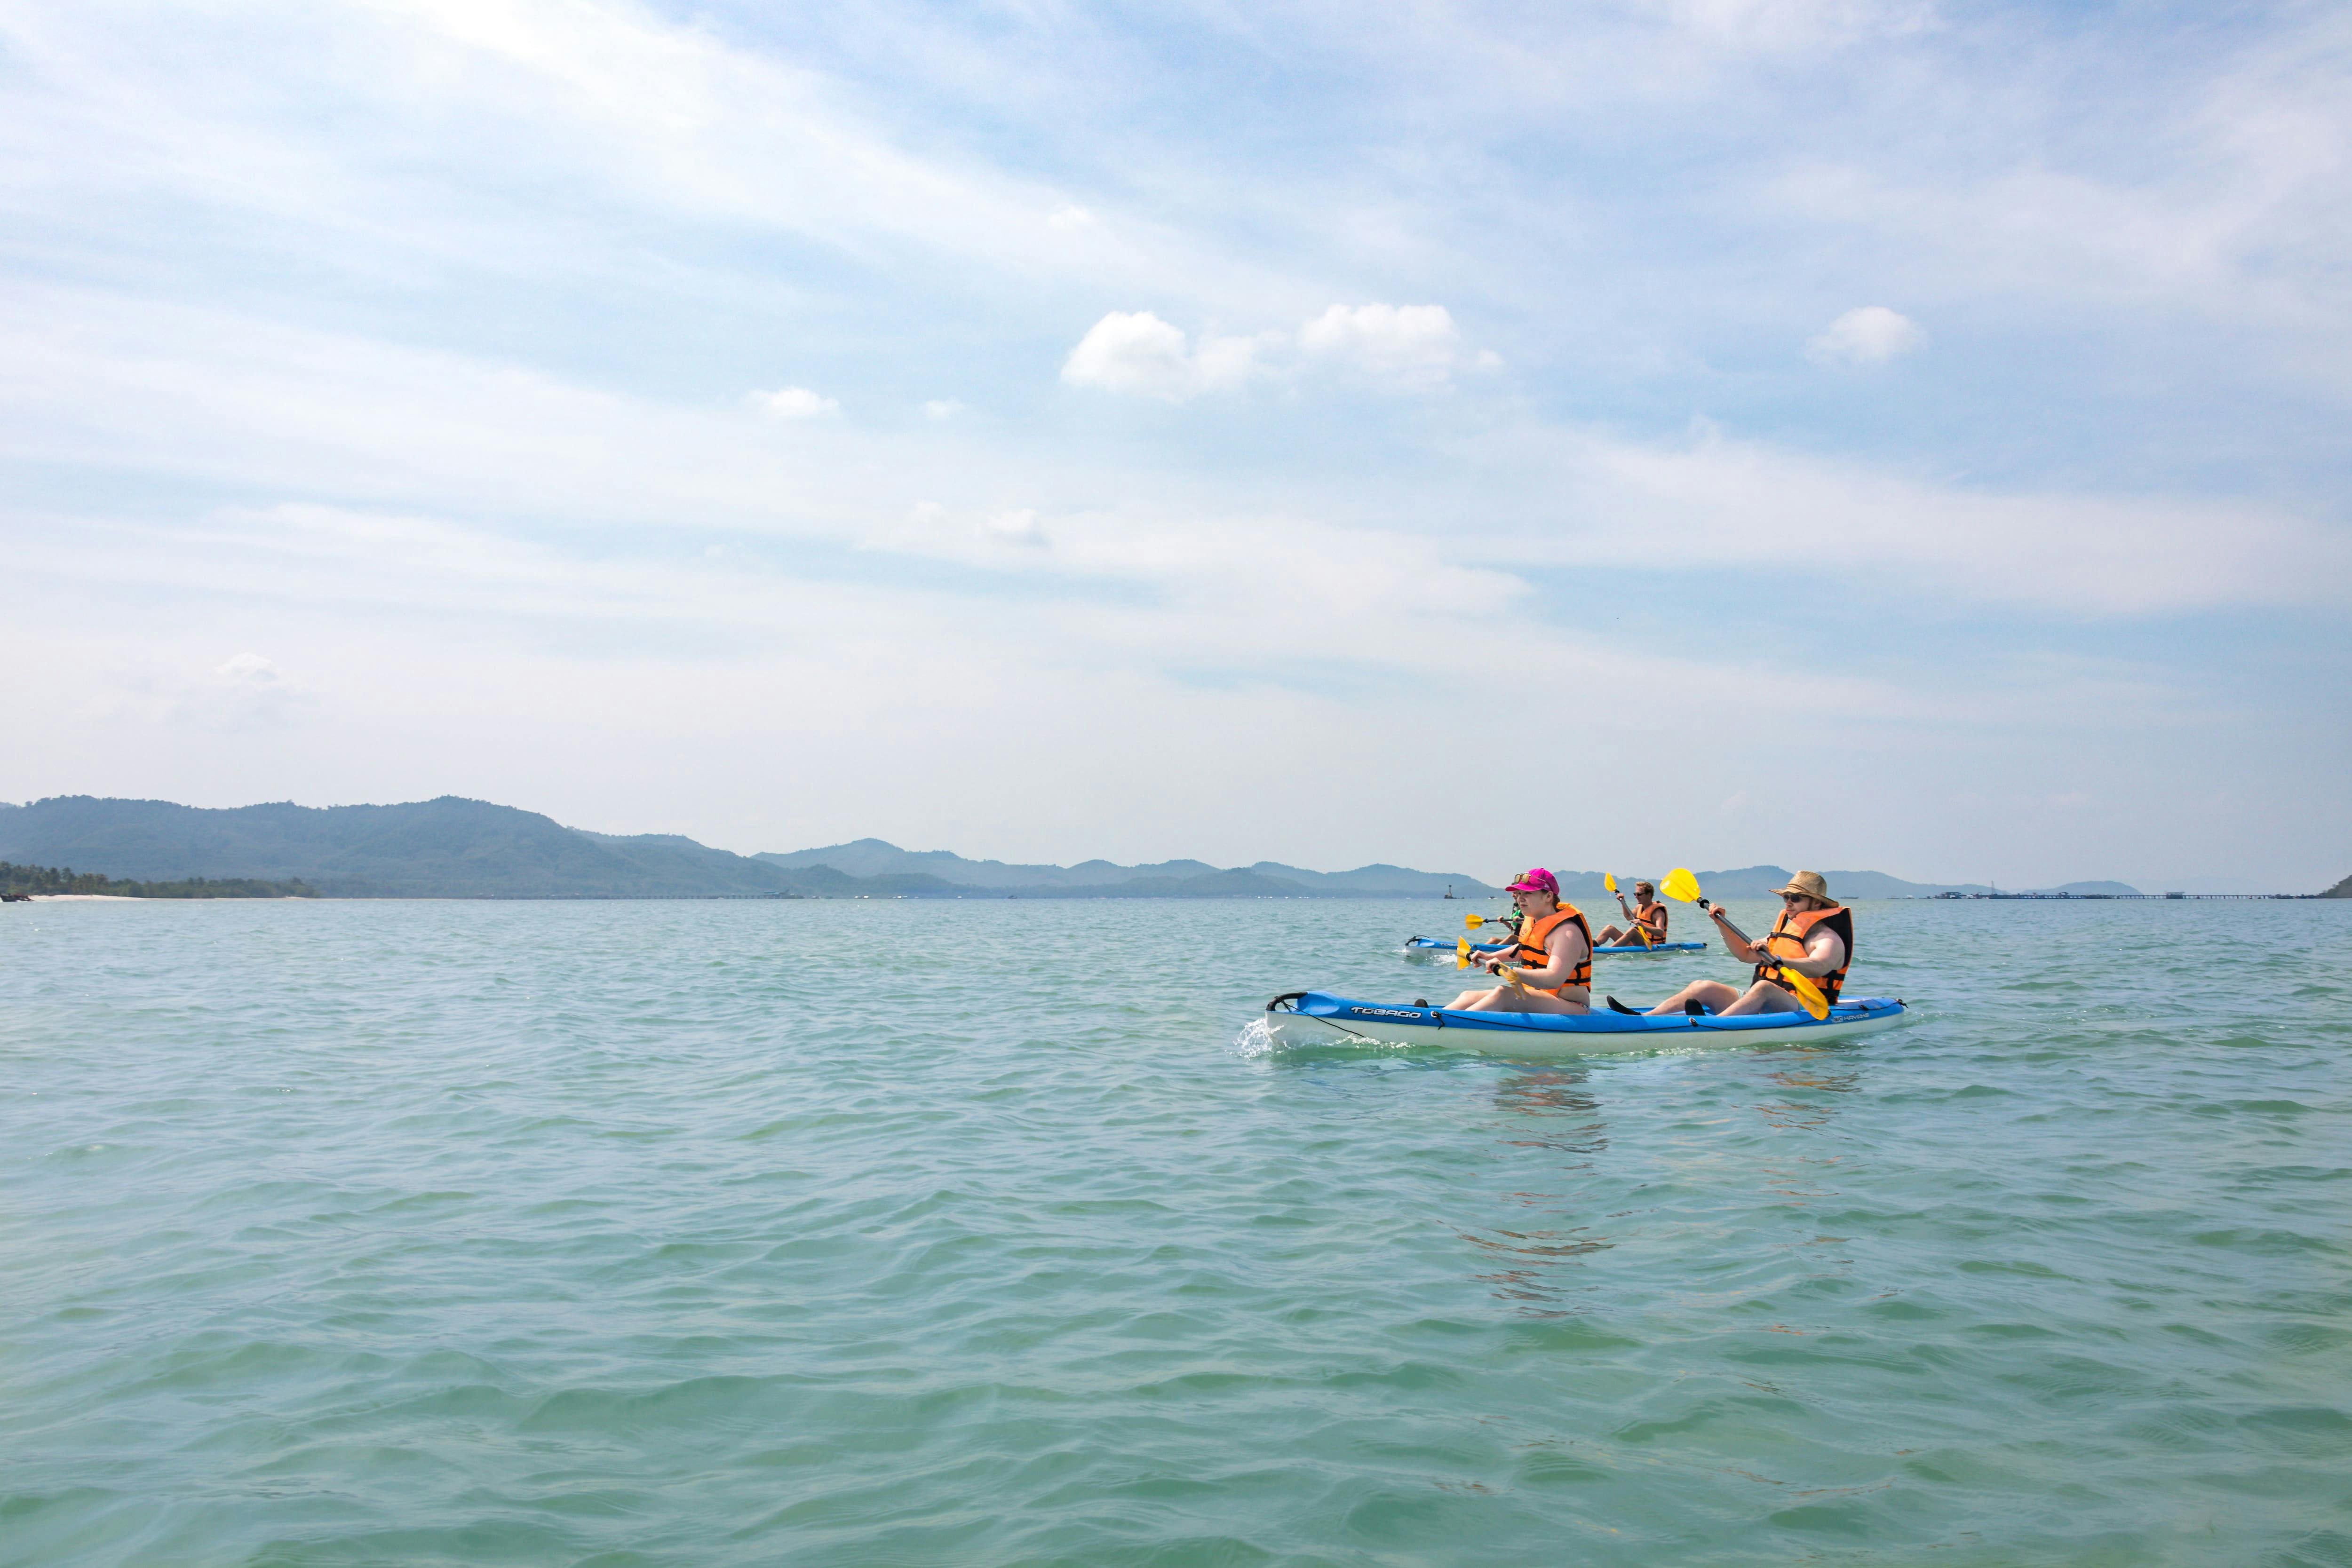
(983,1233)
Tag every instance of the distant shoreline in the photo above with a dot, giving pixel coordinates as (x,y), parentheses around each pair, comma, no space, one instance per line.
(450,847)
(1086,898)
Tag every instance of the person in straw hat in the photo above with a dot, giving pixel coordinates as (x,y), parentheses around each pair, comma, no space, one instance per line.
(1813,936)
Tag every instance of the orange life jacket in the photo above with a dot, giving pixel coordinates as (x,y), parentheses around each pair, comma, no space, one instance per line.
(1642,918)
(1787,941)
(1530,953)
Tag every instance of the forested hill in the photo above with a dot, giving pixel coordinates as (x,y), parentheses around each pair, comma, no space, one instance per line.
(455,848)
(447,847)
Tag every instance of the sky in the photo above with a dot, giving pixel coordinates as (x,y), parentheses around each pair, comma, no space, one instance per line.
(1837,433)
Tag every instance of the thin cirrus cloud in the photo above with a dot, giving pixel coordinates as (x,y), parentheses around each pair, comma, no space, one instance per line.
(975,538)
(178,393)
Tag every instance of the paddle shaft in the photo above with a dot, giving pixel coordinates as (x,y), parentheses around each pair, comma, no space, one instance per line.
(1725,921)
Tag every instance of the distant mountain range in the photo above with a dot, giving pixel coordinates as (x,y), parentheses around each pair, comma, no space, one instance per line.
(454,848)
(871,858)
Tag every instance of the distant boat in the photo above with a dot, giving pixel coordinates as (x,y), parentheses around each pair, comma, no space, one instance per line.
(1449,889)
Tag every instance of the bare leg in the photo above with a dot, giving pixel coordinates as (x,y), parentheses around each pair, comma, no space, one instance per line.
(1512,999)
(1763,996)
(1611,935)
(1712,995)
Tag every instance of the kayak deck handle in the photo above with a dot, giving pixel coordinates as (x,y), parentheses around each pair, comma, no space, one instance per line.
(1276,1006)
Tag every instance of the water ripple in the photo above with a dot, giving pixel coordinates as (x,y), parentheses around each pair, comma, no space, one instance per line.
(702,1233)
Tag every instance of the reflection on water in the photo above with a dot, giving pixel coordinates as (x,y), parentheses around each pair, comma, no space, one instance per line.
(1544,1108)
(1819,1072)
(1814,1082)
(1561,1110)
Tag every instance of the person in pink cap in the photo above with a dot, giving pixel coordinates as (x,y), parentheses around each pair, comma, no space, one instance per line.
(1549,968)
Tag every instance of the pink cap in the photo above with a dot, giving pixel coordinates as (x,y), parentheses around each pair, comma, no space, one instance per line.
(1538,881)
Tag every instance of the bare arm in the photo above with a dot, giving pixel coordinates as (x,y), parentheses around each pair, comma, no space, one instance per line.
(1824,953)
(1739,946)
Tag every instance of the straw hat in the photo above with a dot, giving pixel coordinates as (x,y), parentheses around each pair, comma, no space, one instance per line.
(1810,885)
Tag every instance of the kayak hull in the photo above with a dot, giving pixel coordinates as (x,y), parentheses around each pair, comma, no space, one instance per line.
(1316,1018)
(1431,947)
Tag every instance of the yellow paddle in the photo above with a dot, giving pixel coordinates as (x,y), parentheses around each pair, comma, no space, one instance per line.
(1681,885)
(1806,991)
(1462,961)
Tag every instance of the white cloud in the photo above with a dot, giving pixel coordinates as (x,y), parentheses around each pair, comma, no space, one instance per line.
(250,671)
(244,692)
(1871,335)
(1135,351)
(1408,345)
(1401,347)
(1132,351)
(797,402)
(1014,527)
(942,408)
(1070,219)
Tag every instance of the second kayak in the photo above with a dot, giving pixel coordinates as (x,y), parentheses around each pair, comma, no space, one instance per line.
(1432,948)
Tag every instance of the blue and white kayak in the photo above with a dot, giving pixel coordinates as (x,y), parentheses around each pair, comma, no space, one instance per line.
(1315,1017)
(1432,948)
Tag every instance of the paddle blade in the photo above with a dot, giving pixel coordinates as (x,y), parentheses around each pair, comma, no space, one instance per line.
(1473,921)
(1807,992)
(1681,885)
(1461,953)
(1609,879)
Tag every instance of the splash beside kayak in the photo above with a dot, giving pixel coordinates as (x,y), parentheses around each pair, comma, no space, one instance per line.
(1317,1017)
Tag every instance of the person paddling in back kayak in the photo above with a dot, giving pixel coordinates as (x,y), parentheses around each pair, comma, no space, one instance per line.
(1650,916)
(1549,967)
(1813,936)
